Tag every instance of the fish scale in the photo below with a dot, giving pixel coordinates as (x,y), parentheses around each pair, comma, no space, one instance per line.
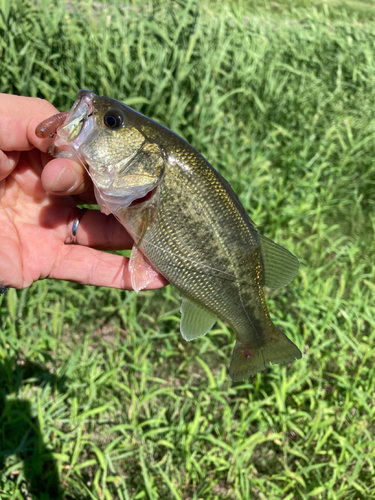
(212,246)
(186,222)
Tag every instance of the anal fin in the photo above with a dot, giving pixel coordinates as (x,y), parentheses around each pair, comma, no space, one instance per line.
(196,321)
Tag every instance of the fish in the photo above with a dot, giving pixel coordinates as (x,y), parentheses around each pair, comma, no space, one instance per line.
(187,223)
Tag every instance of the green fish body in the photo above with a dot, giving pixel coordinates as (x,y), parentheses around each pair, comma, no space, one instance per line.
(187,222)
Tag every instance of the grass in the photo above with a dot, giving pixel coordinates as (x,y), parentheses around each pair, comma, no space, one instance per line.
(100,397)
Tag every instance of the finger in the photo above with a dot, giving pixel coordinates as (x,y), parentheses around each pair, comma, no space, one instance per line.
(95,229)
(62,176)
(87,196)
(92,267)
(8,161)
(19,117)
(101,231)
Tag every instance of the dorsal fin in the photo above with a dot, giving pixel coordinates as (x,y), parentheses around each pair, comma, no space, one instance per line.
(280,266)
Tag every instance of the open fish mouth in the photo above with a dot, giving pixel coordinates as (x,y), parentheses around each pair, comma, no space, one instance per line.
(71,139)
(77,127)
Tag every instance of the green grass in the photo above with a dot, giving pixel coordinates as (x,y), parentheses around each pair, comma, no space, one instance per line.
(99,394)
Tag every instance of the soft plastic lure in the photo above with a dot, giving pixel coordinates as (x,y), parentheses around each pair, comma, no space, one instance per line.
(49,126)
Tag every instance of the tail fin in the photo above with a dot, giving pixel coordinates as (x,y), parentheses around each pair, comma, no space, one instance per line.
(247,361)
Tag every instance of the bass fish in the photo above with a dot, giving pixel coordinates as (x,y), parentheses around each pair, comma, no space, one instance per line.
(186,221)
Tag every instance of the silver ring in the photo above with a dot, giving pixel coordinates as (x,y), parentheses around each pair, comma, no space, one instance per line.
(73,236)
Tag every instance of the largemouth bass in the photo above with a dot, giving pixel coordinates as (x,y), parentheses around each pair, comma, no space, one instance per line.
(187,223)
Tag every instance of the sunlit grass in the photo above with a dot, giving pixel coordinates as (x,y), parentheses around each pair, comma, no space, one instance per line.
(99,392)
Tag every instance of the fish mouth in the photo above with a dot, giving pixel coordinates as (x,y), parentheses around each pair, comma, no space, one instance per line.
(70,140)
(76,128)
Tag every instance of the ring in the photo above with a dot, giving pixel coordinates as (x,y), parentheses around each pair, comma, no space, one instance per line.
(73,236)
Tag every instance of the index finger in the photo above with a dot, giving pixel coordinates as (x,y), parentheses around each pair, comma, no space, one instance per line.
(19,117)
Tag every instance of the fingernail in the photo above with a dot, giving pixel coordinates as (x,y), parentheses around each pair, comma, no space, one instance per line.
(66,181)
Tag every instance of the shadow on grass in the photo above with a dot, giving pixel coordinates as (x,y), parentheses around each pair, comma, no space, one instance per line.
(21,438)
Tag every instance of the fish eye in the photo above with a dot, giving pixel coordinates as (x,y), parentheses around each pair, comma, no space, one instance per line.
(113,119)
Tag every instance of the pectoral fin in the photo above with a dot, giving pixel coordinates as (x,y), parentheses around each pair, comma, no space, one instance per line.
(196,321)
(141,272)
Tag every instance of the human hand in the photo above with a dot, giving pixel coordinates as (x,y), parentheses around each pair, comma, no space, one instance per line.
(38,204)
